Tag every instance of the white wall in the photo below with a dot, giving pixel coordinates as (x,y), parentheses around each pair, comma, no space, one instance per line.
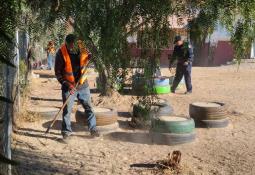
(220,34)
(253,50)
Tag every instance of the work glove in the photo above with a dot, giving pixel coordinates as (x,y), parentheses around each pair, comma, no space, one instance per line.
(71,88)
(186,63)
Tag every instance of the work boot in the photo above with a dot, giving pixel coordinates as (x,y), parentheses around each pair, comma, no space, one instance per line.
(66,137)
(172,89)
(94,133)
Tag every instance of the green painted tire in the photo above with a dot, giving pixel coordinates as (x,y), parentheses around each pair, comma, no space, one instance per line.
(173,124)
(162,89)
(172,139)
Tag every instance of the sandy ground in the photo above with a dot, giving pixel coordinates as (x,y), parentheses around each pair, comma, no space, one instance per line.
(223,151)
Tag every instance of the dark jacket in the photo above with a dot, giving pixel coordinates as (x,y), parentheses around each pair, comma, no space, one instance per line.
(182,53)
(60,68)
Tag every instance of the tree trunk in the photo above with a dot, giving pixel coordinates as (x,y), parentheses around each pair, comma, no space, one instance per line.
(104,84)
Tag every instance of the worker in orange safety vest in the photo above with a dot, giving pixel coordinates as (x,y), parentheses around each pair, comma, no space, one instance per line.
(69,70)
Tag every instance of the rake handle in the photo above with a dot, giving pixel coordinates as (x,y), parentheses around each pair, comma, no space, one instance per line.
(65,103)
(56,116)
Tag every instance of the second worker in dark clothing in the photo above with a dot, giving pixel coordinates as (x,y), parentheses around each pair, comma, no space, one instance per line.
(183,53)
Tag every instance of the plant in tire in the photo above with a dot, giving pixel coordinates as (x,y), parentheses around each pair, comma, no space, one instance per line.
(141,116)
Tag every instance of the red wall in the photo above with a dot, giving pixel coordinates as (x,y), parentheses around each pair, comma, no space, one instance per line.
(224,52)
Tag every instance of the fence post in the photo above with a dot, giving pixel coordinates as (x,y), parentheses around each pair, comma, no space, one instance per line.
(17,63)
(7,126)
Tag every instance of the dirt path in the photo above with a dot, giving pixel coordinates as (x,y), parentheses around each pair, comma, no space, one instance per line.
(216,151)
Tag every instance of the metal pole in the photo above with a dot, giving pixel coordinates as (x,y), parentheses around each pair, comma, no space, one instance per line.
(17,60)
(7,120)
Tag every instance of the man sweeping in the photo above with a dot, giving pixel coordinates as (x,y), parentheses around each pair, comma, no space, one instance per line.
(69,68)
(183,53)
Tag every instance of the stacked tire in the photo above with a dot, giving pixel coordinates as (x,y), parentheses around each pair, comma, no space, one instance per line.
(161,85)
(106,118)
(172,130)
(209,114)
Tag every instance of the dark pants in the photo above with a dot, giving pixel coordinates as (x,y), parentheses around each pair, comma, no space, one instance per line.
(183,70)
(83,95)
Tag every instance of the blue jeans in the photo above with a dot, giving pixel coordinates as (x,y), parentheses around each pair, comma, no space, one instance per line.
(50,61)
(181,71)
(83,95)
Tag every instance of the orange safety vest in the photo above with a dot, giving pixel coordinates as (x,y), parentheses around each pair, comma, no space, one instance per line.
(68,75)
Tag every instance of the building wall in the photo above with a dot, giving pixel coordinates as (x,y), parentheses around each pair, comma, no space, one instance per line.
(220,54)
(223,53)
(216,50)
(253,50)
(216,55)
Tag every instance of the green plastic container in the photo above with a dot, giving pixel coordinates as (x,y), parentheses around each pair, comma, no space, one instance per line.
(162,89)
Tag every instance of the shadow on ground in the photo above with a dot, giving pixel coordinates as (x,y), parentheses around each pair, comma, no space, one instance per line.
(124,114)
(142,138)
(45,99)
(38,163)
(58,125)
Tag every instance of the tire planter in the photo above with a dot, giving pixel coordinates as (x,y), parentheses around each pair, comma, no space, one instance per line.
(108,128)
(172,139)
(44,112)
(161,102)
(214,123)
(141,112)
(161,81)
(207,111)
(104,116)
(173,124)
(158,109)
(164,107)
(162,89)
(165,110)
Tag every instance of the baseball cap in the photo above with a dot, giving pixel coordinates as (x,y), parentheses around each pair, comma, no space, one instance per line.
(70,38)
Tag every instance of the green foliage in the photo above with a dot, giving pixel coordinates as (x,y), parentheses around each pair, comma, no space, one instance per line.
(22,74)
(237,16)
(8,21)
(104,26)
(40,23)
